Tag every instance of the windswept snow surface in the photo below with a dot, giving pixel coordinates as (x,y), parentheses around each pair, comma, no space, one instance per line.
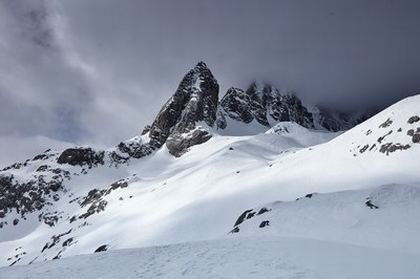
(198,197)
(266,257)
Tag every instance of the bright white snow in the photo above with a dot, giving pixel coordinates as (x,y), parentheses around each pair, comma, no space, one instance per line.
(266,257)
(199,196)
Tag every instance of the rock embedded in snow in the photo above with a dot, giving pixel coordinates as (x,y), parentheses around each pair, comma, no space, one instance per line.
(81,156)
(416,138)
(136,148)
(101,248)
(413,119)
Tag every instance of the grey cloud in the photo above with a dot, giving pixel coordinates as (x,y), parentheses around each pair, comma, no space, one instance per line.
(35,80)
(339,53)
(99,70)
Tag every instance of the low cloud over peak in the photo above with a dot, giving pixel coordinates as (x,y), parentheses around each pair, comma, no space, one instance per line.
(99,70)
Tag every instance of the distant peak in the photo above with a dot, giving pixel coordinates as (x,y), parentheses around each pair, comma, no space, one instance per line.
(261,88)
(200,65)
(234,89)
(195,101)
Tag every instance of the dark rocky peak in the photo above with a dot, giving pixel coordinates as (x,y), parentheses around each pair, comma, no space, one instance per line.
(290,108)
(194,101)
(237,105)
(260,95)
(261,92)
(270,102)
(265,104)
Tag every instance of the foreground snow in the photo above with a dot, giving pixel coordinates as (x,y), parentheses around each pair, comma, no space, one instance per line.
(268,257)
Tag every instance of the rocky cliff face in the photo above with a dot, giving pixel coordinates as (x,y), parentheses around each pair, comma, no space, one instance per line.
(195,101)
(194,107)
(237,105)
(267,106)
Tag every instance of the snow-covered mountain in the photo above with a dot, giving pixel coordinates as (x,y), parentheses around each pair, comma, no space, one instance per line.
(209,170)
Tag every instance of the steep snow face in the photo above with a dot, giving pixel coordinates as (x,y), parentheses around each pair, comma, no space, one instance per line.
(376,152)
(390,132)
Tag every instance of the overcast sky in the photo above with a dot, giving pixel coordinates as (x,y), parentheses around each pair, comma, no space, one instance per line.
(97,71)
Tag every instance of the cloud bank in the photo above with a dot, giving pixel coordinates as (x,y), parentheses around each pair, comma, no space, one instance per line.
(97,71)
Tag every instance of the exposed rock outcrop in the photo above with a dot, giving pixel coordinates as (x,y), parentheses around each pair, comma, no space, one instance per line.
(264,104)
(136,148)
(267,105)
(237,105)
(81,156)
(195,101)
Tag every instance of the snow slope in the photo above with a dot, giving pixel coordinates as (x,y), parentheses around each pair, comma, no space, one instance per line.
(165,194)
(270,257)
(382,217)
(198,196)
